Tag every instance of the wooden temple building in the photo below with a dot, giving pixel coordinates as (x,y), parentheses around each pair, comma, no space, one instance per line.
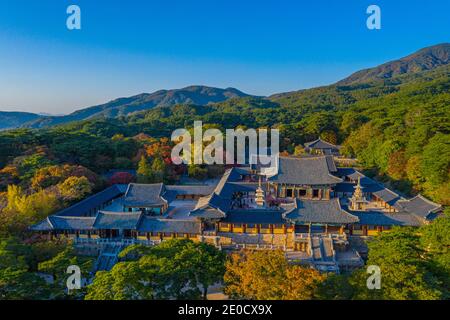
(306,197)
(322,147)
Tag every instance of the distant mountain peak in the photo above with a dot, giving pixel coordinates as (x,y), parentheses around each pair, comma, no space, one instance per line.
(194,94)
(422,60)
(14,119)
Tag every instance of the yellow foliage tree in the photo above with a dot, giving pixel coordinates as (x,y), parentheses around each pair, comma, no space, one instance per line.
(23,210)
(75,188)
(266,275)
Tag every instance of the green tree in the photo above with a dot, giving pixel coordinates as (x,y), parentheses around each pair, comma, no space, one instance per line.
(16,279)
(57,268)
(205,257)
(197,172)
(435,240)
(172,270)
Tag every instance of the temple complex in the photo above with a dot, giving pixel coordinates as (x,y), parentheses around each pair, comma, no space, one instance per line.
(307,207)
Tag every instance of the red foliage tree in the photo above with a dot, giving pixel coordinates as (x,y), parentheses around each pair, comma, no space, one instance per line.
(121,178)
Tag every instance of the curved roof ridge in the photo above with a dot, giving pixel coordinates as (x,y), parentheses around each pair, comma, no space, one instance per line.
(50,222)
(310,143)
(307,144)
(119,212)
(73,217)
(350,214)
(426,200)
(91,198)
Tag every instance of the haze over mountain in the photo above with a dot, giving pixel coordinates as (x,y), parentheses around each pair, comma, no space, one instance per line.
(198,95)
(425,59)
(13,119)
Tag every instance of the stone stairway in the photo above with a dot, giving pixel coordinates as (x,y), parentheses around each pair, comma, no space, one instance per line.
(323,254)
(108,257)
(316,248)
(327,249)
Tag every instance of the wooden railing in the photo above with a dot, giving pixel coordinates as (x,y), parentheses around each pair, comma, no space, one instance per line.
(254,246)
(115,241)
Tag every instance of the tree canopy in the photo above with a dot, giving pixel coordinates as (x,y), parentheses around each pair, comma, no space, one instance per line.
(175,269)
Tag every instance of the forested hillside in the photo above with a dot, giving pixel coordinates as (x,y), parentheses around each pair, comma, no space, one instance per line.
(422,60)
(199,95)
(398,127)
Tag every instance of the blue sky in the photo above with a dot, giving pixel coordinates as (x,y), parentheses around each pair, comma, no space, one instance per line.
(261,47)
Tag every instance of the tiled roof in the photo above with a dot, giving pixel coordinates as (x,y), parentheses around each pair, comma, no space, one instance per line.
(144,195)
(95,201)
(117,220)
(214,201)
(321,144)
(354,174)
(331,164)
(347,187)
(231,187)
(231,175)
(171,192)
(212,206)
(64,223)
(69,223)
(388,196)
(319,211)
(420,206)
(351,173)
(306,171)
(369,186)
(191,189)
(375,218)
(207,213)
(44,225)
(150,224)
(255,216)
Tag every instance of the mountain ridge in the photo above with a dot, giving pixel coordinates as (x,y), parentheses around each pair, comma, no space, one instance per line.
(14,119)
(428,58)
(194,94)
(424,59)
